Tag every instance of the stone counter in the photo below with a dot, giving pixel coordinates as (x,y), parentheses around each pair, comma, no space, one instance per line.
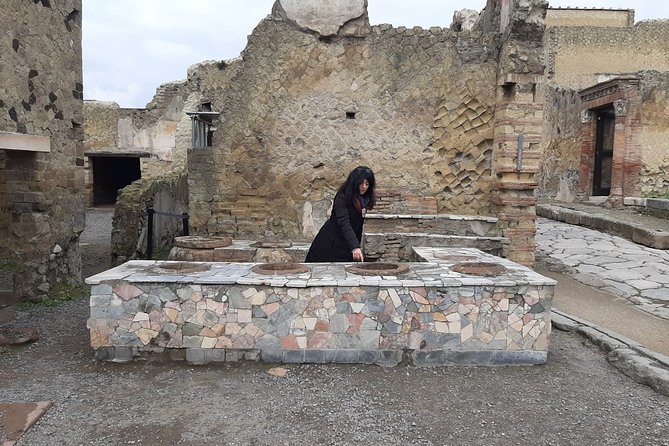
(212,312)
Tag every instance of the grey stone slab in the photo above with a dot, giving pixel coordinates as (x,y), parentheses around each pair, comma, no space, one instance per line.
(389,358)
(620,274)
(524,357)
(368,356)
(376,305)
(195,356)
(644,284)
(237,299)
(101,290)
(321,282)
(217,279)
(592,269)
(297,283)
(163,293)
(589,279)
(107,312)
(314,356)
(214,355)
(346,356)
(656,294)
(123,354)
(233,354)
(392,327)
(105,353)
(659,278)
(293,356)
(101,300)
(271,356)
(469,357)
(426,358)
(339,323)
(619,288)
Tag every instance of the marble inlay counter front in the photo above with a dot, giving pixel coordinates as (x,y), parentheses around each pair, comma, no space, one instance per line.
(226,311)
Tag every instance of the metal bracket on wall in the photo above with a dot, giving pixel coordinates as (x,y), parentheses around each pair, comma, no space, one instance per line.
(519,160)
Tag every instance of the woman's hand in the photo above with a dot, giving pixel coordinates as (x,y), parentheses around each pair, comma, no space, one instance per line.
(357,255)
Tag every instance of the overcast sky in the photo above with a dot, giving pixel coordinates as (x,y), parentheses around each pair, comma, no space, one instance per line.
(130,47)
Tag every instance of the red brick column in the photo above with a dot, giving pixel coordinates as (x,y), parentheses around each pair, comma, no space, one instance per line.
(516,156)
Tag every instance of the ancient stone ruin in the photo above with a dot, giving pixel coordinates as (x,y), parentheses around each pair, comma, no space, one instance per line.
(437,113)
(41,146)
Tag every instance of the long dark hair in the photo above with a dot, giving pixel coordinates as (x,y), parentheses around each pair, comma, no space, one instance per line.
(350,187)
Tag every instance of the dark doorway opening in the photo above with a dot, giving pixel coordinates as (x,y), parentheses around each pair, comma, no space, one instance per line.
(606,123)
(111,174)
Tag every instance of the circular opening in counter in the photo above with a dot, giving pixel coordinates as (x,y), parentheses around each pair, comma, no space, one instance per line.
(455,257)
(271,244)
(202,242)
(378,269)
(280,268)
(479,268)
(180,267)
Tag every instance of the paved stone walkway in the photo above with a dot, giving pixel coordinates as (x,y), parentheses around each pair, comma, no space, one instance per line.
(607,262)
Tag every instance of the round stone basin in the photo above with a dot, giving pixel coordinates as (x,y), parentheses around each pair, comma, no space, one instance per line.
(202,242)
(271,244)
(280,268)
(179,268)
(455,257)
(378,269)
(487,269)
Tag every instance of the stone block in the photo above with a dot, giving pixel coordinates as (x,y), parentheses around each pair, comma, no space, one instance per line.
(293,356)
(105,353)
(368,356)
(526,357)
(196,356)
(213,355)
(315,356)
(469,357)
(345,356)
(123,354)
(271,355)
(389,358)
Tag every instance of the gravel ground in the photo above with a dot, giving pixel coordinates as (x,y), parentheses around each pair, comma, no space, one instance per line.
(95,241)
(577,398)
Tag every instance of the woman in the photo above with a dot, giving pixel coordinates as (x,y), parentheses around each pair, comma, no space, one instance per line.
(339,238)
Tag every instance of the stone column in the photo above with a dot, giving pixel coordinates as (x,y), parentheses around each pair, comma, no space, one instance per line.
(518,125)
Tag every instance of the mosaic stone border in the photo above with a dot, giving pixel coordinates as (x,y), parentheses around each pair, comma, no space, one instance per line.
(434,316)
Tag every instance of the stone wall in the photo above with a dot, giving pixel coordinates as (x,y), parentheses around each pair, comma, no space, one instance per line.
(302,109)
(41,209)
(615,18)
(654,177)
(167,194)
(559,168)
(578,57)
(159,134)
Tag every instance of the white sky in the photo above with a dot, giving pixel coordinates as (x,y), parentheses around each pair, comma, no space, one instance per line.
(130,47)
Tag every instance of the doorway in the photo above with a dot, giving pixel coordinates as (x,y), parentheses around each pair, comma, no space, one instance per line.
(606,124)
(111,173)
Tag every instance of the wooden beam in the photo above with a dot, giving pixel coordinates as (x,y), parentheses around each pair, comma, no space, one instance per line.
(20,141)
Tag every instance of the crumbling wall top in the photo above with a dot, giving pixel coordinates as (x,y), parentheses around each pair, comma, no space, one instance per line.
(325,17)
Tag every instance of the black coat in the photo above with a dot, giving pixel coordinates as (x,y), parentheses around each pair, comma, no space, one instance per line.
(340,235)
